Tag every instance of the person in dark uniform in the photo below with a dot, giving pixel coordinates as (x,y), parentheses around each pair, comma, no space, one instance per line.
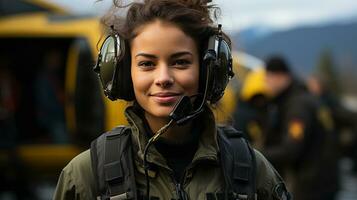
(343,121)
(296,139)
(250,114)
(250,118)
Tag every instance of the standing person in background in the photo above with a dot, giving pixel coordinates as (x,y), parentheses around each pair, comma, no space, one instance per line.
(342,117)
(296,138)
(8,105)
(169,58)
(342,121)
(49,98)
(250,115)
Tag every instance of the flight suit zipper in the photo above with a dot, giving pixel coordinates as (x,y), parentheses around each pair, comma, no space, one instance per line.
(180,192)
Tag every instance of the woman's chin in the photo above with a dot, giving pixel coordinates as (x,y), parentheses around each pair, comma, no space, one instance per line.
(162,112)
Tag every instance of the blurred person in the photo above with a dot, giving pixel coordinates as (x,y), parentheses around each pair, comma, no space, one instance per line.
(250,115)
(7,125)
(8,105)
(49,98)
(296,139)
(342,119)
(12,170)
(341,115)
(175,63)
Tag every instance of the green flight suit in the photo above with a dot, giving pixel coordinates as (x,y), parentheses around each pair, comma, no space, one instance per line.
(202,177)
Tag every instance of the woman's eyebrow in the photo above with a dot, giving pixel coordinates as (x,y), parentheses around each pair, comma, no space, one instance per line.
(181,53)
(175,55)
(146,55)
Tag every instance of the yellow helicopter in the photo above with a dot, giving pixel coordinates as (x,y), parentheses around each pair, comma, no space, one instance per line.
(36,34)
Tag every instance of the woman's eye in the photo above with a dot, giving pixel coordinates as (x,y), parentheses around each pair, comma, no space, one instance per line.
(146,64)
(182,62)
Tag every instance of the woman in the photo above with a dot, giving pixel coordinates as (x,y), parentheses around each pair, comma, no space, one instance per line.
(165,62)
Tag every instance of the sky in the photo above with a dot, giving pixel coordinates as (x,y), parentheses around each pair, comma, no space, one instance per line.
(241,14)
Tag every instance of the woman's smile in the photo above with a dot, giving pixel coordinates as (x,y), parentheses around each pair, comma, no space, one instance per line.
(165,97)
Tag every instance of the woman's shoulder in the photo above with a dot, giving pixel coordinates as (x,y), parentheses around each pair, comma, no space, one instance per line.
(77,178)
(80,164)
(269,181)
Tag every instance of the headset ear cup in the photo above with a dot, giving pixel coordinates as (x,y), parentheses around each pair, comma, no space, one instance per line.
(222,70)
(219,65)
(206,58)
(124,82)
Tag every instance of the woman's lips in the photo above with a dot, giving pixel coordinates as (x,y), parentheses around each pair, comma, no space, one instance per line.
(165,98)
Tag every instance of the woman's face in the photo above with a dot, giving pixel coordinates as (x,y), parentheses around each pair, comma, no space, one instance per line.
(164,67)
(276,82)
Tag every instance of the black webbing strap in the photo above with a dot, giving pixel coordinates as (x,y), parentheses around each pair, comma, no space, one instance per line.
(238,163)
(113,165)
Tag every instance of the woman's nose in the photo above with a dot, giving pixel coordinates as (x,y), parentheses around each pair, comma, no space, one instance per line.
(164,76)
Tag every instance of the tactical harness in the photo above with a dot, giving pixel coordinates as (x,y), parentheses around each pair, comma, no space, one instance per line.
(113,166)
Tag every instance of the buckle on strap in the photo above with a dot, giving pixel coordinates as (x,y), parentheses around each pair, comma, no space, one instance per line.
(124,196)
(244,197)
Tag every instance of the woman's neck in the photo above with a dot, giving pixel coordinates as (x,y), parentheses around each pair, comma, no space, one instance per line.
(175,134)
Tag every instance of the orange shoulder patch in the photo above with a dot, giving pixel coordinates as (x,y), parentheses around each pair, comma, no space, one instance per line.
(296,129)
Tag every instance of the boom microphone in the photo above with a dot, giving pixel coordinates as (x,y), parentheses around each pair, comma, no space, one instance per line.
(184,111)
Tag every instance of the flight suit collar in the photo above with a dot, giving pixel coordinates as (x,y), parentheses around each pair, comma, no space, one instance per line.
(207,144)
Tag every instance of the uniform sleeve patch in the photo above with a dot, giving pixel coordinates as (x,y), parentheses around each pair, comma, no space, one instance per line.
(296,129)
(280,192)
(255,131)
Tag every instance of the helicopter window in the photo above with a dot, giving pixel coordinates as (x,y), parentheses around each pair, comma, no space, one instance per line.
(34,76)
(33,100)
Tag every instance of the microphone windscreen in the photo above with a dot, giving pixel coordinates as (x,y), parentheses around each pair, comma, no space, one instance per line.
(182,108)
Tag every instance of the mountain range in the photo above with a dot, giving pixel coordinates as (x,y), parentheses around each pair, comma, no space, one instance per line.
(303,46)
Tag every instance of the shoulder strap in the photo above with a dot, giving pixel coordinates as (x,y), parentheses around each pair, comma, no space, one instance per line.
(238,164)
(113,166)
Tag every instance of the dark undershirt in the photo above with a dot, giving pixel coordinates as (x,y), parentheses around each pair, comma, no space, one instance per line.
(178,156)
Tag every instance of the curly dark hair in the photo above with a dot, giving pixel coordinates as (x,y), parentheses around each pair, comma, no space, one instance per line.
(194,17)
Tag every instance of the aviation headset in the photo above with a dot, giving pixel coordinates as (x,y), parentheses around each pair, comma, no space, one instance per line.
(113,68)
